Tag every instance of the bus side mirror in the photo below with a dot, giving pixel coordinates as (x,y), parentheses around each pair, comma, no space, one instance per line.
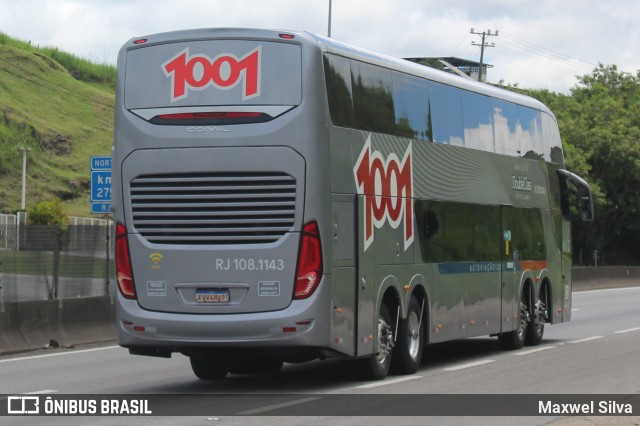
(584,193)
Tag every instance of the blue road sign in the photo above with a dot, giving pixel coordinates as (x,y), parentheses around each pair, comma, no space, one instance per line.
(100,163)
(101,186)
(100,208)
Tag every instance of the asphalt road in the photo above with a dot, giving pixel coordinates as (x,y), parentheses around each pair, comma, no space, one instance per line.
(598,352)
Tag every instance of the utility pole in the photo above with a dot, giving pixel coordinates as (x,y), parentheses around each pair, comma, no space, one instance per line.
(482,45)
(24,176)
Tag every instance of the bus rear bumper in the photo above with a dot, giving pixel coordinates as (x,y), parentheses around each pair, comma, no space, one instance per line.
(302,324)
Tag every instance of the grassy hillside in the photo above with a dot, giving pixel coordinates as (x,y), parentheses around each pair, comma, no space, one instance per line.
(61,107)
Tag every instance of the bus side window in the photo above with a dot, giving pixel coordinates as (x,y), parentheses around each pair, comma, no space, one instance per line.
(446,114)
(338,79)
(530,136)
(372,98)
(478,130)
(411,102)
(430,217)
(506,128)
(564,198)
(431,224)
(553,144)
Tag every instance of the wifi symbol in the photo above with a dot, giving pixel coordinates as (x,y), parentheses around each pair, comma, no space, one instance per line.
(155,258)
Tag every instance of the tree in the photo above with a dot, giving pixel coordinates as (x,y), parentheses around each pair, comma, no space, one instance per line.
(48,213)
(600,126)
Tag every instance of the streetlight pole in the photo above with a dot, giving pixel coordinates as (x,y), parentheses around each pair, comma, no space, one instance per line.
(329,30)
(24,176)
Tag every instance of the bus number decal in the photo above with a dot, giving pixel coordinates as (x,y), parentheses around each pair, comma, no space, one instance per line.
(388,189)
(224,72)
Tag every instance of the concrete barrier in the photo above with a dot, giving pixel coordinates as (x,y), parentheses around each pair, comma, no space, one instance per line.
(31,325)
(590,278)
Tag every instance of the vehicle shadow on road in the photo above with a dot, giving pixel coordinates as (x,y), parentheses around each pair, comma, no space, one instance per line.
(333,374)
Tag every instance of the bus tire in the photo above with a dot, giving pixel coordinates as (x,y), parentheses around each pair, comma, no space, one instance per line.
(376,366)
(407,353)
(535,328)
(515,339)
(209,367)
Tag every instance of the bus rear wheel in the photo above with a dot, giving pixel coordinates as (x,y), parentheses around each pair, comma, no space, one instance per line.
(407,354)
(535,328)
(209,367)
(376,366)
(515,339)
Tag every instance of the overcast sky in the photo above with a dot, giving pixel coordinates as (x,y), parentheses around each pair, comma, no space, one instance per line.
(541,43)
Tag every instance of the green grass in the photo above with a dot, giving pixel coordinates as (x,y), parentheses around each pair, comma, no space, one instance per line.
(61,107)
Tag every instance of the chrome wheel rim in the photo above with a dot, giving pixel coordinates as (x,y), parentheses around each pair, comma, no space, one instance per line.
(385,341)
(524,319)
(414,335)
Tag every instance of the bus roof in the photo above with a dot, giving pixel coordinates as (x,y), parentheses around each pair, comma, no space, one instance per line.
(344,49)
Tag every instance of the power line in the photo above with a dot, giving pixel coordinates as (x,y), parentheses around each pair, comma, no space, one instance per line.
(462,40)
(528,53)
(537,49)
(514,50)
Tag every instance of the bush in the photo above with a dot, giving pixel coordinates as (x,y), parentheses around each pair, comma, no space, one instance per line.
(48,213)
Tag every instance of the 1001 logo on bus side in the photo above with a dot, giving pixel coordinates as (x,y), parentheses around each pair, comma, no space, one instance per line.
(387,185)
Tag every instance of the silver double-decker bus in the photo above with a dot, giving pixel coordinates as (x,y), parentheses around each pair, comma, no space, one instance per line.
(282,197)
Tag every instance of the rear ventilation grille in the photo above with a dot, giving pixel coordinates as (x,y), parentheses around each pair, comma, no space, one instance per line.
(213,208)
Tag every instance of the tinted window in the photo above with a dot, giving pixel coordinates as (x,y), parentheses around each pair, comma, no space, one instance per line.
(372,98)
(338,77)
(527,233)
(411,104)
(446,114)
(184,74)
(478,131)
(376,99)
(486,233)
(553,145)
(457,232)
(505,127)
(530,135)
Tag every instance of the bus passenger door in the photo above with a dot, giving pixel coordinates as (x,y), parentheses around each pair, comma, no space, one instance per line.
(510,281)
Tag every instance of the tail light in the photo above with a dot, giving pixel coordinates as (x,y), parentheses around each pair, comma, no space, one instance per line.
(124,273)
(210,118)
(309,262)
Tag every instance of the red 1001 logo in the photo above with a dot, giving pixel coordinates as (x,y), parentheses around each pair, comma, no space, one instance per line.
(387,186)
(224,72)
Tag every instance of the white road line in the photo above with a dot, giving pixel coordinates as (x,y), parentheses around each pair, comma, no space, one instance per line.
(40,392)
(532,351)
(276,406)
(609,289)
(469,365)
(388,382)
(628,330)
(588,339)
(26,358)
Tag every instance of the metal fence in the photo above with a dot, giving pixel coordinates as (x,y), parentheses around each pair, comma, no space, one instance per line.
(52,262)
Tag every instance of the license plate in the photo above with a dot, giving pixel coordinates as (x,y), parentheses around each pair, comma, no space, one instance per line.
(212,295)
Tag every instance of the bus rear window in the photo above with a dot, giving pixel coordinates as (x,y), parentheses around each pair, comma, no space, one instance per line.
(213,73)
